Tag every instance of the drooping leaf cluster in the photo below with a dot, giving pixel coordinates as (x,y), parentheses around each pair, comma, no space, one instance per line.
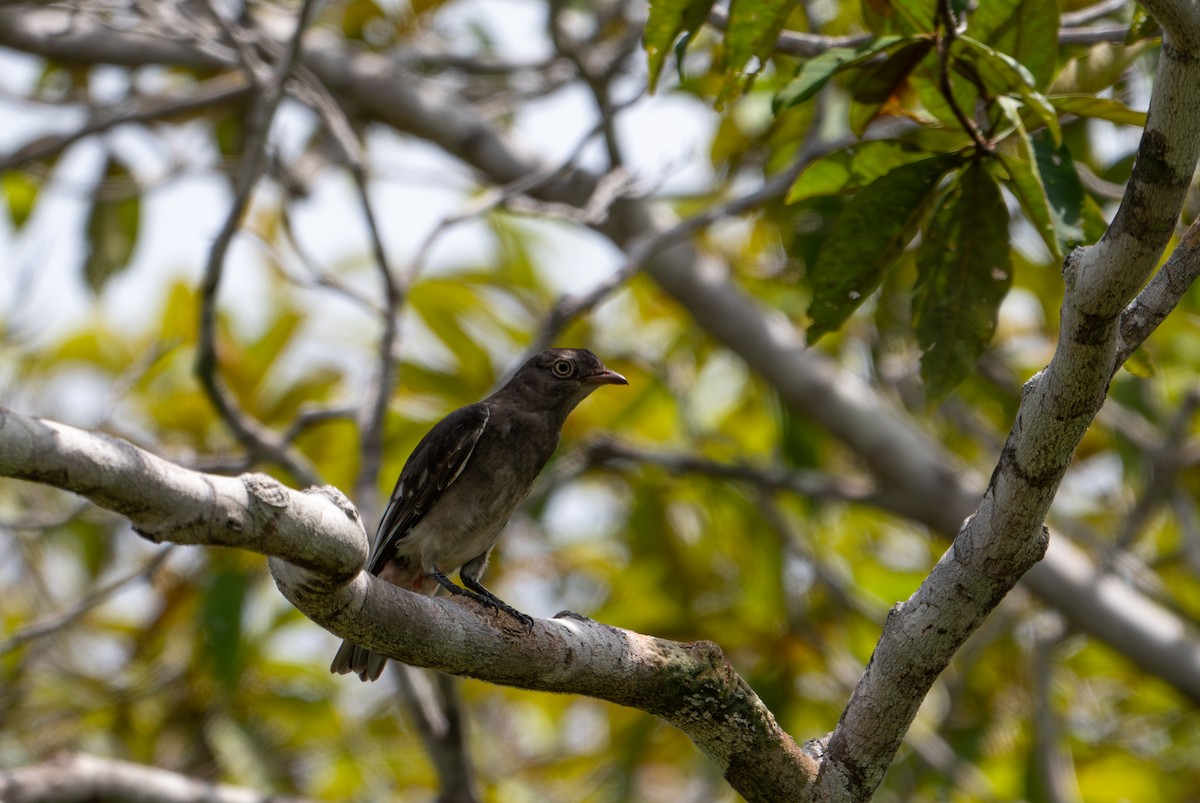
(983,91)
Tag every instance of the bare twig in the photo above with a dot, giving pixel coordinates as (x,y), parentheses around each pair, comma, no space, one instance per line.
(315,276)
(811,484)
(638,253)
(794,43)
(1052,763)
(222,89)
(310,416)
(597,67)
(435,709)
(947,32)
(255,437)
(1089,14)
(61,621)
(78,776)
(374,409)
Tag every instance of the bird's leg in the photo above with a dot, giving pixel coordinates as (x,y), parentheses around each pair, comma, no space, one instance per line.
(480,595)
(448,584)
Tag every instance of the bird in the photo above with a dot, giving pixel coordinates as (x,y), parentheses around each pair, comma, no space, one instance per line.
(464,480)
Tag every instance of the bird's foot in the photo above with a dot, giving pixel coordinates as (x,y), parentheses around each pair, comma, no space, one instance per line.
(500,605)
(488,598)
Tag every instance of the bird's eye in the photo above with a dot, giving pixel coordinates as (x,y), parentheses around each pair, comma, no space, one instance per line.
(563,369)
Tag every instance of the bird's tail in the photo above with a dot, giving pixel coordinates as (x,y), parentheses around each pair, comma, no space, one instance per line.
(359,660)
(402,571)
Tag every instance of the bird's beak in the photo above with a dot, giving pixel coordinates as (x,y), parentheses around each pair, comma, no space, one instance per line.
(605,377)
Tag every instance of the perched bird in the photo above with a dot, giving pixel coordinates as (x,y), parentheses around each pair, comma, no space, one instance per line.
(462,483)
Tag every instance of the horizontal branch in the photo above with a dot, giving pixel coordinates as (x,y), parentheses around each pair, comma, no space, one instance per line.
(811,484)
(214,92)
(168,503)
(79,778)
(317,546)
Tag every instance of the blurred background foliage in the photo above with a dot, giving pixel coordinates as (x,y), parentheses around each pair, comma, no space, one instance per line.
(188,659)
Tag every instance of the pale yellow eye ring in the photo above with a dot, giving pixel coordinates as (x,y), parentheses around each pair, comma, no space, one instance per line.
(562,369)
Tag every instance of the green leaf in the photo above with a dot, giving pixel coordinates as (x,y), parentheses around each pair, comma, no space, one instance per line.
(963,273)
(1094,222)
(221,624)
(1101,108)
(872,231)
(445,305)
(872,87)
(1027,30)
(1003,75)
(1064,190)
(754,26)
(1098,69)
(667,20)
(20,195)
(812,75)
(926,84)
(816,72)
(1025,182)
(112,225)
(916,16)
(852,167)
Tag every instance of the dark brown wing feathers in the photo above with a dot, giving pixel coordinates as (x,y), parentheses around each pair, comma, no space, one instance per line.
(432,467)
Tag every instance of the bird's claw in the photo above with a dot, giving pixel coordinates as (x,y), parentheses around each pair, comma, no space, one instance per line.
(523,618)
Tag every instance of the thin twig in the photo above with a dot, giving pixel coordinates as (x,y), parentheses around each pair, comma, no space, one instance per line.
(947,32)
(222,89)
(315,277)
(811,484)
(61,621)
(597,72)
(1165,463)
(642,250)
(497,197)
(255,437)
(1089,14)
(795,43)
(311,415)
(435,709)
(374,409)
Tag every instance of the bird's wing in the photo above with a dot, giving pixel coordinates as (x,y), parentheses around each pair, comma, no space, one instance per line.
(433,466)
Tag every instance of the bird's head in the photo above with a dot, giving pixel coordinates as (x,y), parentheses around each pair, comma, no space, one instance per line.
(558,379)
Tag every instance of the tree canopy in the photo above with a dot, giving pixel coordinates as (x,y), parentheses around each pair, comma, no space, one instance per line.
(900,502)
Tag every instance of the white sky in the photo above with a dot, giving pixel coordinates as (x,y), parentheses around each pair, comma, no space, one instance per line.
(181,216)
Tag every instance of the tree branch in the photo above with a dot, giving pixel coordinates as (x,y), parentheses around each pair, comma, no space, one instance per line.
(921,480)
(317,548)
(98,596)
(1006,536)
(928,484)
(166,502)
(213,92)
(1160,295)
(256,438)
(80,778)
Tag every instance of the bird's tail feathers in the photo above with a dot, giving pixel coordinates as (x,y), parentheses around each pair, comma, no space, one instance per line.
(351,658)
